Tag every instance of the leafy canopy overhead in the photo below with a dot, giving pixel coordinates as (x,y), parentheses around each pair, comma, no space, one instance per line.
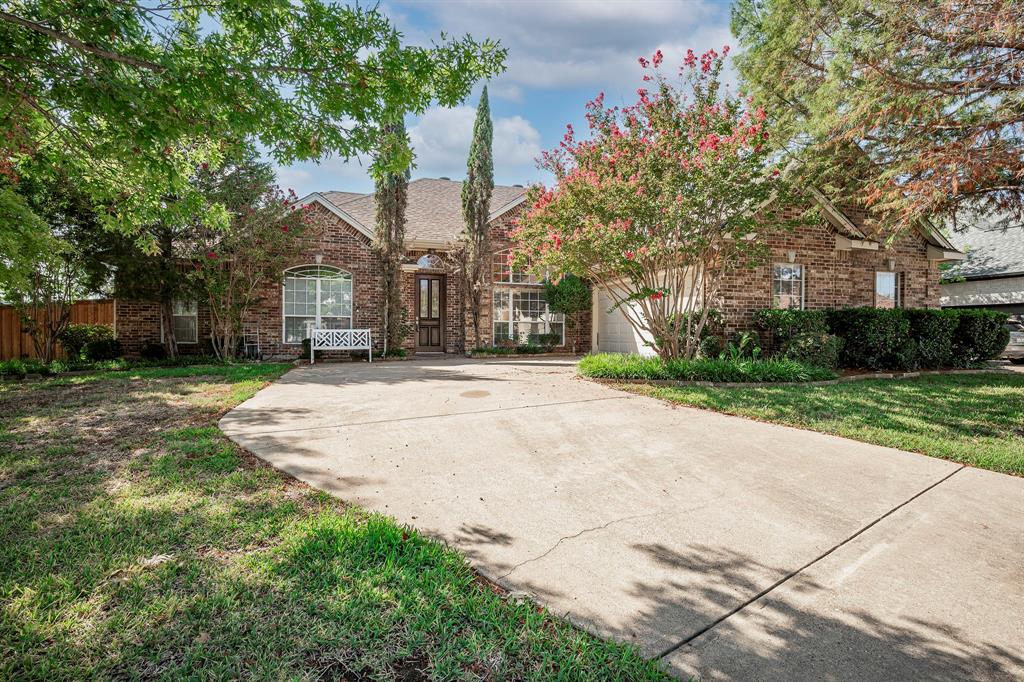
(662,199)
(128,98)
(924,100)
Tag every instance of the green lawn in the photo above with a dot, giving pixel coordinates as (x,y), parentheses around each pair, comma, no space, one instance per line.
(137,542)
(977,419)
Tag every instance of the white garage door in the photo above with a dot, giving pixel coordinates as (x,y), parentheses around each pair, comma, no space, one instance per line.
(614,333)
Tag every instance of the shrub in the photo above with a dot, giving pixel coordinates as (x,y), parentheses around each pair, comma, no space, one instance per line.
(17,367)
(102,349)
(546,341)
(153,351)
(74,337)
(785,325)
(817,349)
(711,346)
(980,335)
(615,366)
(873,338)
(745,345)
(932,330)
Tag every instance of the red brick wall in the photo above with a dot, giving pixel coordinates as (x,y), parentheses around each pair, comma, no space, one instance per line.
(137,323)
(832,279)
(340,245)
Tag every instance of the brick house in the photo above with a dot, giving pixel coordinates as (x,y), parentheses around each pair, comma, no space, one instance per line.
(336,280)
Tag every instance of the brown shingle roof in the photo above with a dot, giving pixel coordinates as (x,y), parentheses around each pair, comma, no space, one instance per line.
(434,210)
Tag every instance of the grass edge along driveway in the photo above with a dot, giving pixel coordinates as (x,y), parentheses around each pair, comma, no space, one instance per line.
(137,541)
(975,419)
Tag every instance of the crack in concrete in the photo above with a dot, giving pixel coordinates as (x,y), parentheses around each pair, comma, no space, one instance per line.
(574,536)
(793,574)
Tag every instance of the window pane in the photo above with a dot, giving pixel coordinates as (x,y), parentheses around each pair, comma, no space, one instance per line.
(298,328)
(335,322)
(500,330)
(335,297)
(435,298)
(424,296)
(787,286)
(186,329)
(886,290)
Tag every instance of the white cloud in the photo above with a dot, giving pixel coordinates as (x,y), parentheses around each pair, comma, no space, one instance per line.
(441,140)
(581,42)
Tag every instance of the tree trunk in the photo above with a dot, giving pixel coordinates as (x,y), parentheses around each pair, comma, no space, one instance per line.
(169,341)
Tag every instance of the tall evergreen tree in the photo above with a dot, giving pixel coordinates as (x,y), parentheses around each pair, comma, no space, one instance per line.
(391,194)
(476,201)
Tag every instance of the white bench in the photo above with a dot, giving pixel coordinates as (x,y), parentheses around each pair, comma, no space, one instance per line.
(340,339)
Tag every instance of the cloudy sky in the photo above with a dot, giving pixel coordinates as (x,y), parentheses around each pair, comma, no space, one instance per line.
(561,54)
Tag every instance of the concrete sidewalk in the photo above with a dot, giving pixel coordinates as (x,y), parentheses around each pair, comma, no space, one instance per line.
(731,548)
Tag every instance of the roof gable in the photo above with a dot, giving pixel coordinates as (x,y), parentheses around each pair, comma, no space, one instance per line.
(433,212)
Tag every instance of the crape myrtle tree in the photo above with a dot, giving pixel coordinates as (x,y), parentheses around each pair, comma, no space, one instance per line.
(660,201)
(231,265)
(475,240)
(917,106)
(129,98)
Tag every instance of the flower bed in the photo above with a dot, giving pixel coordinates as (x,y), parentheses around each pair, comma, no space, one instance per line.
(615,366)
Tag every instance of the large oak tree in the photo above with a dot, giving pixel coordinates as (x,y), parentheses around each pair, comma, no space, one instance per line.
(128,98)
(917,107)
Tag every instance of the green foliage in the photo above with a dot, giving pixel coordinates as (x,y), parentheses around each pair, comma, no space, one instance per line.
(570,295)
(102,349)
(74,337)
(884,99)
(873,338)
(474,253)
(820,349)
(24,240)
(745,345)
(711,346)
(616,366)
(933,331)
(786,324)
(902,338)
(519,349)
(17,367)
(128,99)
(980,335)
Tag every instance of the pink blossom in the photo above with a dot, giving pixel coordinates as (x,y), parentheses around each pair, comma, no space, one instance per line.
(630,255)
(658,59)
(211,255)
(656,296)
(643,62)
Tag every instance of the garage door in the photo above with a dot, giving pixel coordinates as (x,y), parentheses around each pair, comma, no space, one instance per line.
(614,333)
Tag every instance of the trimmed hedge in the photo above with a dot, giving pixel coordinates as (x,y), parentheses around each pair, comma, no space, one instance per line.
(894,338)
(616,366)
(980,335)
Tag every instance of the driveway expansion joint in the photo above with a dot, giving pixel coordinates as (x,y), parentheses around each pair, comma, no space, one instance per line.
(786,578)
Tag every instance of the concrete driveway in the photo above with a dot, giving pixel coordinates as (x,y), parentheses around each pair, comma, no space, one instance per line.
(730,548)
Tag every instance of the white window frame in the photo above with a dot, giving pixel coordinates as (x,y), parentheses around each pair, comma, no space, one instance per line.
(897,281)
(174,313)
(803,284)
(507,292)
(321,271)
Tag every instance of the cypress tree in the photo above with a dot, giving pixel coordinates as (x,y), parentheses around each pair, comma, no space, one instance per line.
(391,196)
(476,200)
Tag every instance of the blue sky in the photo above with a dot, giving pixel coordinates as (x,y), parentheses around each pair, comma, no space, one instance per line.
(561,54)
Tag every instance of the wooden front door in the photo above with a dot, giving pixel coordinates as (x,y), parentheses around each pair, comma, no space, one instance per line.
(430,312)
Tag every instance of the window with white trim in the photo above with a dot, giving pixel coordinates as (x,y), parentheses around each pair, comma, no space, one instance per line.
(788,286)
(522,315)
(315,297)
(887,290)
(504,273)
(185,317)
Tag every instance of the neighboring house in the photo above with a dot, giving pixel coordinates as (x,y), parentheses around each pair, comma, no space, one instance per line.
(336,281)
(992,272)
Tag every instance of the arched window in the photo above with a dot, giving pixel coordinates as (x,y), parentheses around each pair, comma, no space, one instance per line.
(316,297)
(429,261)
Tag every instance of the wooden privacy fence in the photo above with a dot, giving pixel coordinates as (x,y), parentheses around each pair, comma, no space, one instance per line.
(15,344)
